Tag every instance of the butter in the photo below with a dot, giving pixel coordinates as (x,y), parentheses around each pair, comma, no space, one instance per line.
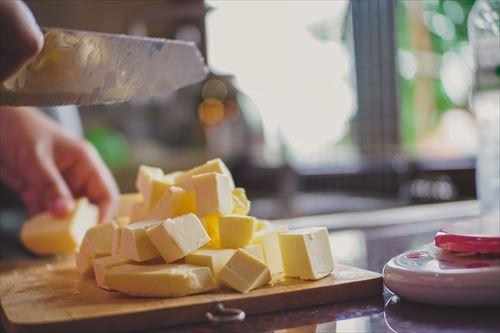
(100,265)
(126,202)
(84,260)
(135,244)
(306,253)
(261,224)
(214,259)
(144,181)
(46,234)
(236,231)
(213,194)
(241,205)
(175,238)
(269,239)
(175,202)
(211,225)
(116,238)
(98,239)
(243,272)
(139,212)
(163,280)
(255,250)
(184,180)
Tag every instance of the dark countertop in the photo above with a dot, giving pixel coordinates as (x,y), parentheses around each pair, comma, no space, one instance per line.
(366,240)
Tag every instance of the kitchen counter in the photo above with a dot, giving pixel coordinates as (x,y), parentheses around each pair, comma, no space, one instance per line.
(366,240)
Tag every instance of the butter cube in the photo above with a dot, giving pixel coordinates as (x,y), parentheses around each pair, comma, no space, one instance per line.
(46,234)
(100,265)
(163,280)
(126,202)
(213,194)
(269,239)
(241,205)
(158,188)
(184,180)
(84,260)
(135,243)
(144,181)
(255,250)
(175,238)
(211,224)
(175,202)
(116,239)
(261,224)
(306,253)
(215,259)
(243,272)
(98,239)
(140,212)
(236,231)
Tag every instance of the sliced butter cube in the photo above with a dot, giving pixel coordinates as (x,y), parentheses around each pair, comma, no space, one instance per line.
(184,179)
(164,280)
(215,259)
(236,231)
(175,202)
(306,253)
(100,266)
(140,212)
(175,238)
(261,224)
(46,234)
(255,250)
(135,244)
(144,180)
(241,205)
(243,272)
(269,239)
(213,194)
(126,202)
(211,225)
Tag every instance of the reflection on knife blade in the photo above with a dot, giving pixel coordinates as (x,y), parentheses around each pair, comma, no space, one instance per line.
(77,67)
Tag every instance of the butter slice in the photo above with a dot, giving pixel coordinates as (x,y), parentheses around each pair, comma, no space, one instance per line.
(269,239)
(140,212)
(306,253)
(236,231)
(175,202)
(164,280)
(126,202)
(243,272)
(100,265)
(241,205)
(175,238)
(184,180)
(135,244)
(144,181)
(46,234)
(213,194)
(211,225)
(214,259)
(255,250)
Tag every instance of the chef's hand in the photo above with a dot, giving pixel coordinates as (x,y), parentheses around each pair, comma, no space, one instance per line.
(48,167)
(20,37)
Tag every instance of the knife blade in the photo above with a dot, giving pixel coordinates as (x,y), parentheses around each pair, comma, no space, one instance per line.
(84,68)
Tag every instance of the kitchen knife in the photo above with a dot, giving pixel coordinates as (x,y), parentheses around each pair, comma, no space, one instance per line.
(80,67)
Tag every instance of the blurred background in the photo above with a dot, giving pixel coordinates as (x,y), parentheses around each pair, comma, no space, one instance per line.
(316,106)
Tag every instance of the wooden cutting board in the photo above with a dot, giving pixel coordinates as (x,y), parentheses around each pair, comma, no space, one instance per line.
(50,296)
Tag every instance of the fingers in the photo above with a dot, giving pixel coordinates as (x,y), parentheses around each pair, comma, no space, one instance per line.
(20,37)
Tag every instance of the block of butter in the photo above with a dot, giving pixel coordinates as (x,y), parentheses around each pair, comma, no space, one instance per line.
(135,243)
(211,224)
(236,231)
(213,194)
(116,239)
(175,238)
(256,250)
(95,244)
(306,253)
(216,165)
(163,280)
(100,266)
(46,234)
(144,182)
(139,212)
(126,202)
(243,272)
(269,239)
(215,259)
(241,205)
(175,201)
